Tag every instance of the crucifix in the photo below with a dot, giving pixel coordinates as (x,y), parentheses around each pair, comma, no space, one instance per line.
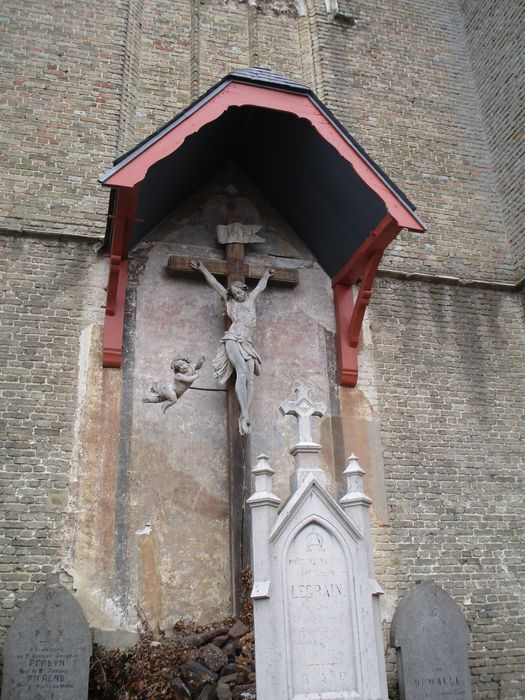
(235,352)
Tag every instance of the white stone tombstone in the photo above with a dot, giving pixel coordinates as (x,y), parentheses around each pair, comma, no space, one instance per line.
(316,608)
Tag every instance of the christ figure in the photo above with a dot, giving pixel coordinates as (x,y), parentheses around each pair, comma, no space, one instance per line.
(236,352)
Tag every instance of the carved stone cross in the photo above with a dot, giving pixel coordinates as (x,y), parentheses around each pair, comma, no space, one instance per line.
(306,451)
(303,408)
(235,269)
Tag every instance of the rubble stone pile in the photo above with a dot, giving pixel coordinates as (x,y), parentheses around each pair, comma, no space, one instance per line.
(216,662)
(219,665)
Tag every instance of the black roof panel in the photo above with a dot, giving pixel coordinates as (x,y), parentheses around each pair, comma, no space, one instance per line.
(311,185)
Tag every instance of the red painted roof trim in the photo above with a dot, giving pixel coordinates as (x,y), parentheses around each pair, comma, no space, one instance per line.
(133,169)
(127,174)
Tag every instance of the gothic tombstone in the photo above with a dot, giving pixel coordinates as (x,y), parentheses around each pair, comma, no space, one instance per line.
(316,608)
(48,648)
(431,637)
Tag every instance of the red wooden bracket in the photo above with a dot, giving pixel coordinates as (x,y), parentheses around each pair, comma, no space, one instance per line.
(380,237)
(114,323)
(118,275)
(349,314)
(363,298)
(346,354)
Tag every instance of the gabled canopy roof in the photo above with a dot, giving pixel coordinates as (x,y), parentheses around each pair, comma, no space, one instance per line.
(286,141)
(335,197)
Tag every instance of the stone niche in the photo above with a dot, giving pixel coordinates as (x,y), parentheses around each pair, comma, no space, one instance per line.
(153,488)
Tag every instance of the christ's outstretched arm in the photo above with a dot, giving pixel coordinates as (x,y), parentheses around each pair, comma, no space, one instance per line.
(210,279)
(261,285)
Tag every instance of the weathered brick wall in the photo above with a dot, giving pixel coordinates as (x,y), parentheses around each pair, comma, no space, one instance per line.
(450,378)
(84,83)
(400,80)
(61,67)
(162,53)
(184,48)
(43,283)
(495,30)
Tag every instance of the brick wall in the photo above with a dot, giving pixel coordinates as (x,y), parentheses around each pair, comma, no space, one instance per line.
(450,377)
(43,284)
(61,68)
(400,80)
(162,52)
(494,31)
(85,83)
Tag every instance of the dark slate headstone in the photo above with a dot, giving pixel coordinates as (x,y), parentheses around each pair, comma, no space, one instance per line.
(48,648)
(431,638)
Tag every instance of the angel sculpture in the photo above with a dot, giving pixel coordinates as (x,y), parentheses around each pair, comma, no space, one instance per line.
(185,373)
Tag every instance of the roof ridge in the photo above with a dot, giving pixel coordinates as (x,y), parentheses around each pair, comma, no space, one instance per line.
(267,75)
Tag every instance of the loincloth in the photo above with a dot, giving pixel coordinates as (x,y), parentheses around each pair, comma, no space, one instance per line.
(221,362)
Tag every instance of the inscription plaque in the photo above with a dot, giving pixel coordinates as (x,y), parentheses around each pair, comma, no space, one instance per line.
(319,615)
(48,648)
(431,637)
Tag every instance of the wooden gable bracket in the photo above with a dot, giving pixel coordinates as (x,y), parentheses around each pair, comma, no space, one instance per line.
(349,314)
(123,221)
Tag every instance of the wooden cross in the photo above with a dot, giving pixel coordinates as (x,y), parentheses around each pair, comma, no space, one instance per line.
(235,269)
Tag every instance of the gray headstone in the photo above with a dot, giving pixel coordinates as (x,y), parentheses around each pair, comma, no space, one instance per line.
(48,648)
(431,637)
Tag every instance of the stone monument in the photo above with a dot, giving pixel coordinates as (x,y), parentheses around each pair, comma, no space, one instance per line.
(48,648)
(237,362)
(316,606)
(431,637)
